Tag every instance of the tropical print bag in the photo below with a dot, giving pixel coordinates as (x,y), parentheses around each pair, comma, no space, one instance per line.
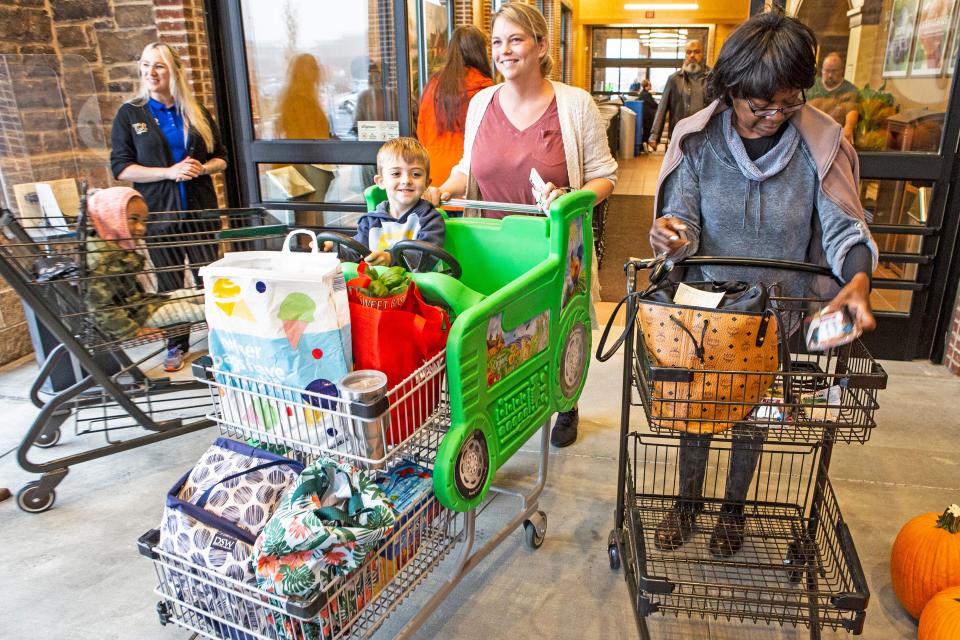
(323,528)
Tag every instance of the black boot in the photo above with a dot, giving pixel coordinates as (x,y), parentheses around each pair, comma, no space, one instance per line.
(564,431)
(677,526)
(727,537)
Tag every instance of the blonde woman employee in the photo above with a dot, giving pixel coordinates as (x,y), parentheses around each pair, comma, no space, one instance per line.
(167,144)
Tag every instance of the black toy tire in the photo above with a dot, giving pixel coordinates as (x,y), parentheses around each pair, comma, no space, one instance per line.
(472,466)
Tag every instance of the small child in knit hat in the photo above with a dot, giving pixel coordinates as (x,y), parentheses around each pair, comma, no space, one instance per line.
(114,296)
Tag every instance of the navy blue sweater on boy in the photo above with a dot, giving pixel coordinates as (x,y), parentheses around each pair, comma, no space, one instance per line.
(379,231)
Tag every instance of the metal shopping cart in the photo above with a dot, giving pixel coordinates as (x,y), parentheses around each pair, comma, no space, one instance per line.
(53,268)
(516,354)
(798,564)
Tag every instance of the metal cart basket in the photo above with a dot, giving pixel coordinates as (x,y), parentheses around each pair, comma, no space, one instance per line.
(56,270)
(798,564)
(456,415)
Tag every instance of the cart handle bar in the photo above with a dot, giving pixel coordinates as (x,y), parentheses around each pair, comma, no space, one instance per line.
(529,209)
(729,261)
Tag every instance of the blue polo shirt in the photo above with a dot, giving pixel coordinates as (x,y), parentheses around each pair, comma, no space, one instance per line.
(171,124)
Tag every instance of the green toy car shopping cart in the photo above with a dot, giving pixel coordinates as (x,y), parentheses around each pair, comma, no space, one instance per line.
(517,353)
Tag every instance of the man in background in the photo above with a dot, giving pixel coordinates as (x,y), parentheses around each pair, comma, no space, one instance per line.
(684,93)
(831,83)
(834,94)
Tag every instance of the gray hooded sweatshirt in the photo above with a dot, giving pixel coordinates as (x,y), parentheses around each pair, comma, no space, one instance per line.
(773,207)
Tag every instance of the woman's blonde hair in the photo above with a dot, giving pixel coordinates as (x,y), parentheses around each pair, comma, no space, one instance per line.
(183,97)
(533,23)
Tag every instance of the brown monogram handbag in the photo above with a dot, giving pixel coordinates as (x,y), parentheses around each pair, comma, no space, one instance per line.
(723,360)
(705,369)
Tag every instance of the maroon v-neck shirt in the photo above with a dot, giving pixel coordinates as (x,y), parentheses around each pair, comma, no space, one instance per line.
(503,155)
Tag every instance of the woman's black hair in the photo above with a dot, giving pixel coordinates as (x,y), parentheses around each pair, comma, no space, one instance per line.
(766,54)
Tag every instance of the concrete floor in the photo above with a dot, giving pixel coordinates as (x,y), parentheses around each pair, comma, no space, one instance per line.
(74,572)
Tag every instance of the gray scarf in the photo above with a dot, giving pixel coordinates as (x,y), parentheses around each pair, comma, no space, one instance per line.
(756,171)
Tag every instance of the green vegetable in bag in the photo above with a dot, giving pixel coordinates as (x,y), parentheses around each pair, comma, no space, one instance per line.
(386,283)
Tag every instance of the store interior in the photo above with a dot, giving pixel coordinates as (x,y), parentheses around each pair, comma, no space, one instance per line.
(563,539)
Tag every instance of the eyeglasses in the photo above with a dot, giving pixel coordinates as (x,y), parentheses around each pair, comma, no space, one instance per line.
(766,112)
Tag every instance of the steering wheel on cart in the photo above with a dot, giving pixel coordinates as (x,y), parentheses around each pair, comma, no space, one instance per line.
(341,239)
(452,269)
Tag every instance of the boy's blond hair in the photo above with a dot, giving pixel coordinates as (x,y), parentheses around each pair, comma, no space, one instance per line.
(407,149)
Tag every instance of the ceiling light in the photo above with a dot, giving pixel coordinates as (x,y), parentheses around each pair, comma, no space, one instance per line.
(662,6)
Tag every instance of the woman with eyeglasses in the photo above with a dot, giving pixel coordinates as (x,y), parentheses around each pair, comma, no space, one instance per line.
(758,173)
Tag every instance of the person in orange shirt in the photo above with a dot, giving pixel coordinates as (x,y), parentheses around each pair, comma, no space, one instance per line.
(443,108)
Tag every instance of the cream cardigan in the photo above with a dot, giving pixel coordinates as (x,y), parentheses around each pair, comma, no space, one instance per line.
(581,127)
(584,144)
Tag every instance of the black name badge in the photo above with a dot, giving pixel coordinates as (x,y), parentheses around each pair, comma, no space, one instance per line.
(223,543)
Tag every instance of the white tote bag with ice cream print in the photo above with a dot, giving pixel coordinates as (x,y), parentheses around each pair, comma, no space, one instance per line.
(280,322)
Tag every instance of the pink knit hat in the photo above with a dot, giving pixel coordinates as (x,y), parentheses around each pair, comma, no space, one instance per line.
(108,210)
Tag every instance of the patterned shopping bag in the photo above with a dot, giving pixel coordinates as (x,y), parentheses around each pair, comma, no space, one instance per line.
(323,528)
(212,517)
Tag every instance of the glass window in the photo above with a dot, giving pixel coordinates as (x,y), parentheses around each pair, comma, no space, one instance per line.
(620,79)
(660,46)
(904,203)
(885,69)
(566,24)
(658,79)
(435,29)
(312,76)
(316,183)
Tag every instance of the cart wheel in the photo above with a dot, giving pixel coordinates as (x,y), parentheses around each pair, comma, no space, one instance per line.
(795,561)
(30,500)
(535,530)
(573,362)
(473,465)
(48,439)
(164,612)
(613,554)
(613,551)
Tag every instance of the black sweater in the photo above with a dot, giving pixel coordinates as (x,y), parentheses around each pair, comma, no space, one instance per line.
(136,138)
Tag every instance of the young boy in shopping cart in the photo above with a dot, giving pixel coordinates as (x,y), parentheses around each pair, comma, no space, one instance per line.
(403,172)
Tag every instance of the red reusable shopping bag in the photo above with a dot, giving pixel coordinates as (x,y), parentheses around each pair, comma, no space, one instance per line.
(398,342)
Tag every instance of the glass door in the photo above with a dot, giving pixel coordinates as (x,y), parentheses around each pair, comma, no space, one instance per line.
(887,73)
(311,89)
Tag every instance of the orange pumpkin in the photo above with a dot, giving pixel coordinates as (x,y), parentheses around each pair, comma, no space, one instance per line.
(940,619)
(926,558)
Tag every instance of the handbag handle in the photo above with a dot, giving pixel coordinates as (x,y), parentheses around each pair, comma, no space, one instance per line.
(628,325)
(314,248)
(202,502)
(667,264)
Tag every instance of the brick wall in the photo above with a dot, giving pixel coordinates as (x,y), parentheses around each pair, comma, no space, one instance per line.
(951,355)
(70,64)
